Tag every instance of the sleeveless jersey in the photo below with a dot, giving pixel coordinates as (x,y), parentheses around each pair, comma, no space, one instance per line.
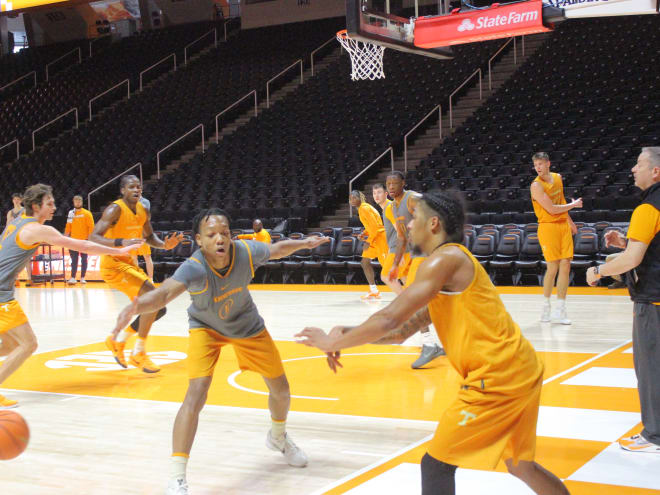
(13,256)
(555,192)
(390,229)
(403,215)
(223,302)
(482,342)
(128,226)
(14,216)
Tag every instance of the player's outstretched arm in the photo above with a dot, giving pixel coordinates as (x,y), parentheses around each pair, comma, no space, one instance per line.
(150,302)
(108,219)
(283,249)
(36,233)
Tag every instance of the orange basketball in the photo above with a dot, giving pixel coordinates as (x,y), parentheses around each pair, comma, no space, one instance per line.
(14,435)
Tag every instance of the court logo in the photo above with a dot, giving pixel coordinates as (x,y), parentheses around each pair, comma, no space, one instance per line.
(104,361)
(466,25)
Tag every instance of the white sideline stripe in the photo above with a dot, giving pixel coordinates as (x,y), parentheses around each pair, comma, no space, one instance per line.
(604,377)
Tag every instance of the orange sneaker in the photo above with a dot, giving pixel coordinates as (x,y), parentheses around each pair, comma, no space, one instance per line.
(371,296)
(6,403)
(117,349)
(142,362)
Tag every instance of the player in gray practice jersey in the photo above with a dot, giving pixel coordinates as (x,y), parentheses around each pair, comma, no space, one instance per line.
(222,313)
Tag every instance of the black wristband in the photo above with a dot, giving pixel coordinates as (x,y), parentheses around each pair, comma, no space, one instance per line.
(119,242)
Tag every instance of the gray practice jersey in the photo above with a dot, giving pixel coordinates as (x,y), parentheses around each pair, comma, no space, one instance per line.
(403,215)
(223,302)
(13,256)
(390,229)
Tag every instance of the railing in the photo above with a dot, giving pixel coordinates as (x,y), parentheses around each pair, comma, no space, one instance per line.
(490,60)
(33,73)
(9,144)
(226,23)
(217,130)
(74,109)
(95,40)
(89,196)
(405,138)
(174,142)
(451,116)
(389,150)
(128,94)
(63,56)
(311,57)
(299,61)
(215,43)
(156,64)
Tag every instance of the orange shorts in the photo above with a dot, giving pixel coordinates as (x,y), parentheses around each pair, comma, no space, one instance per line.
(556,240)
(412,270)
(377,250)
(122,275)
(478,430)
(144,250)
(257,353)
(11,316)
(404,265)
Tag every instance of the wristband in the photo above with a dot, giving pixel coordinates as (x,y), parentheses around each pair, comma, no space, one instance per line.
(119,242)
(597,272)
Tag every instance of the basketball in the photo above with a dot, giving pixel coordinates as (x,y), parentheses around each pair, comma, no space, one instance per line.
(14,435)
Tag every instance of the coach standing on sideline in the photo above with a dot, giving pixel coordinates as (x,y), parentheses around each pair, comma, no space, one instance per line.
(641,261)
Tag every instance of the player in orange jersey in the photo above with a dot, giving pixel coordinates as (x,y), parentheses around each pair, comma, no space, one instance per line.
(556,230)
(375,246)
(122,222)
(494,414)
(260,234)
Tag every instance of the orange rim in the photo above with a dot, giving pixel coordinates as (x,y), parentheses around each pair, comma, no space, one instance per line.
(342,34)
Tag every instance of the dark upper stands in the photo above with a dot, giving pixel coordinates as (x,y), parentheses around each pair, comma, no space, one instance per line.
(588,97)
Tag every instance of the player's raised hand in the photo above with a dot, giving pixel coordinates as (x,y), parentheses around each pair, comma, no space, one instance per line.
(125,317)
(314,337)
(615,238)
(316,240)
(172,241)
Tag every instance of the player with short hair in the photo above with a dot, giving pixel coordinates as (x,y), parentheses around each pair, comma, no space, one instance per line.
(13,214)
(79,225)
(223,313)
(260,234)
(126,221)
(18,243)
(379,193)
(495,412)
(555,233)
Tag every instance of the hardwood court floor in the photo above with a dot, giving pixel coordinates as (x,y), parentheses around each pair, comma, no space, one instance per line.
(98,429)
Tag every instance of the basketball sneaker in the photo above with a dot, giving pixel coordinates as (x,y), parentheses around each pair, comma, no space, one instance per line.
(117,349)
(559,316)
(6,403)
(428,354)
(142,362)
(292,453)
(637,443)
(371,296)
(71,281)
(83,281)
(177,486)
(545,315)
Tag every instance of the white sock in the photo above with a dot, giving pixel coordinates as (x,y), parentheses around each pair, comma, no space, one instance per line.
(427,338)
(139,346)
(277,429)
(546,301)
(561,303)
(373,289)
(178,464)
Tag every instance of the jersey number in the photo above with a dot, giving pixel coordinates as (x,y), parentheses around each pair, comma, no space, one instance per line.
(224,310)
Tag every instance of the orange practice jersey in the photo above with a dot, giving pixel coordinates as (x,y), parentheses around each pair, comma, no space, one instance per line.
(372,221)
(129,225)
(80,224)
(555,192)
(261,236)
(482,342)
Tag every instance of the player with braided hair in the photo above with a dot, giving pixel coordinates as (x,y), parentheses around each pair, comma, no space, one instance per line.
(495,412)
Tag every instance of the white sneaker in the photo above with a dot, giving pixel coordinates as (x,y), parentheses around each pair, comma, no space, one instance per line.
(559,316)
(177,486)
(545,315)
(292,453)
(637,443)
(71,281)
(83,281)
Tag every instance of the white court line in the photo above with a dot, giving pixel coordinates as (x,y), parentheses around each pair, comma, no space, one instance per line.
(425,439)
(357,452)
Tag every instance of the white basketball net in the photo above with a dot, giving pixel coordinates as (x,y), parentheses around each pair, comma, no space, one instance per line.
(366,58)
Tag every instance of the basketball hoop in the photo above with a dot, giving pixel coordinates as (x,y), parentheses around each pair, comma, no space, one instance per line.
(366,58)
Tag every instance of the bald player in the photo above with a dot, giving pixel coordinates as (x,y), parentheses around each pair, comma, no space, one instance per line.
(260,234)
(223,313)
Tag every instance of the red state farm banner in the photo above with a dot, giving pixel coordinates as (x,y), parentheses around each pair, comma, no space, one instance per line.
(498,21)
